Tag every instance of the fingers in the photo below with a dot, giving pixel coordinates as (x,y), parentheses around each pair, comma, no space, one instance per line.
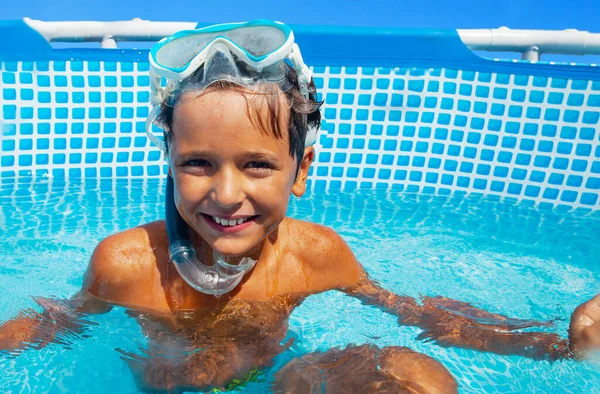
(127,355)
(152,373)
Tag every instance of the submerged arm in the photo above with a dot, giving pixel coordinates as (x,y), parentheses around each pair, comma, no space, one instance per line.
(59,320)
(453,323)
(63,318)
(445,321)
(406,308)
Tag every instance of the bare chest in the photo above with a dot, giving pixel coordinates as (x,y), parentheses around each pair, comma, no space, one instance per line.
(272,277)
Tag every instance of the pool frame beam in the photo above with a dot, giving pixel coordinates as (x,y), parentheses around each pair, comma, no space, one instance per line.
(530,43)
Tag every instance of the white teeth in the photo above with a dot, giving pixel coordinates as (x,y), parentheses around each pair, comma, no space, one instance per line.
(229,223)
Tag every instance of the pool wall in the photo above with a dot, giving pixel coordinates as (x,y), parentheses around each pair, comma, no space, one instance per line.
(410,110)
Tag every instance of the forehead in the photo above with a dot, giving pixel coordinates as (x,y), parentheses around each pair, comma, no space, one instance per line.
(230,116)
(267,110)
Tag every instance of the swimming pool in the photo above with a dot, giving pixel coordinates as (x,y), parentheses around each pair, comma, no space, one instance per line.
(508,258)
(479,178)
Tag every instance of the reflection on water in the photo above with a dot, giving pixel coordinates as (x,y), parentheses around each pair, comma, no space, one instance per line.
(506,257)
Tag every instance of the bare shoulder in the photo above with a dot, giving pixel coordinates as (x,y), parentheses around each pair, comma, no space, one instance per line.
(325,253)
(123,264)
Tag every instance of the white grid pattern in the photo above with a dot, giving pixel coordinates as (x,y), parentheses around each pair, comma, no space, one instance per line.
(86,121)
(327,74)
(480,145)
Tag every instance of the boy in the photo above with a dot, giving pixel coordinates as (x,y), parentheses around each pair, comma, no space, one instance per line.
(236,152)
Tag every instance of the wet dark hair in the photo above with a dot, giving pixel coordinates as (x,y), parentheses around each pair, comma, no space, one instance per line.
(304,113)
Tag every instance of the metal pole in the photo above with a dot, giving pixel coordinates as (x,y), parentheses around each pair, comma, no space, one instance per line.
(108,42)
(532,54)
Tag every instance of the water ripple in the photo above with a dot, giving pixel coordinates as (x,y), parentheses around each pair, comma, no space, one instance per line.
(506,257)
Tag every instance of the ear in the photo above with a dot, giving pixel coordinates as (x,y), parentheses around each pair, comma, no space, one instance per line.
(299,187)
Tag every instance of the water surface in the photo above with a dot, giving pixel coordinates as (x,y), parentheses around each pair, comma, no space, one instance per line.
(506,257)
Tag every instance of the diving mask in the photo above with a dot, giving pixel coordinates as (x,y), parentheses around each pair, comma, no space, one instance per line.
(247,54)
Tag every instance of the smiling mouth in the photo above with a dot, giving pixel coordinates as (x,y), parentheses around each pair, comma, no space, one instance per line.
(228,222)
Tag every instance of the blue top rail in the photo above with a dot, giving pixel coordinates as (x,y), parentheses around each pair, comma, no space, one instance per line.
(321,46)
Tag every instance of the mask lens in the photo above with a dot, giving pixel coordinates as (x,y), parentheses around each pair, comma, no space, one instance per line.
(256,40)
(179,52)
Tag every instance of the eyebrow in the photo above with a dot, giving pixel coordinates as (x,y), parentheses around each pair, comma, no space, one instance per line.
(260,154)
(254,154)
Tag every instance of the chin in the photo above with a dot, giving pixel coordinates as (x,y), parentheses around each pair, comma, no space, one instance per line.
(233,248)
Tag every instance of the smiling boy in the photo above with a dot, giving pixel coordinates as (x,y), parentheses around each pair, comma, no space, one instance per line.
(236,154)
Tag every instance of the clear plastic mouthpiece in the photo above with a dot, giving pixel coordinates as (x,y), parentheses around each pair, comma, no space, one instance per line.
(216,279)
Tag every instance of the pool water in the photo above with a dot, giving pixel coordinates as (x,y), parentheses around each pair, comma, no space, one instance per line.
(506,257)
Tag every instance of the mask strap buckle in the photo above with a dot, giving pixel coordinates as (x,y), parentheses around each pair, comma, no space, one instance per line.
(304,73)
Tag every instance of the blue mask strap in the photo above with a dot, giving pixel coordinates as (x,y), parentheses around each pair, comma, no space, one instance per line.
(176,226)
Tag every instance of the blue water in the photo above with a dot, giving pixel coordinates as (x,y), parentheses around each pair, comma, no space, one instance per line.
(503,256)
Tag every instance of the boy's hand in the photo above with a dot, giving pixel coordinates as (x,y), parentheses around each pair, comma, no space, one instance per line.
(584,330)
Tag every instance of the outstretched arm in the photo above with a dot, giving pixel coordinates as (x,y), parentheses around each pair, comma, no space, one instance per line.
(117,273)
(370,293)
(58,319)
(445,321)
(454,323)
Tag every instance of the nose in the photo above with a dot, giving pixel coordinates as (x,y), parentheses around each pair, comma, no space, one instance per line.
(228,188)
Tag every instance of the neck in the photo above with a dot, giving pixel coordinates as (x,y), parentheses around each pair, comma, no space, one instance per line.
(205,252)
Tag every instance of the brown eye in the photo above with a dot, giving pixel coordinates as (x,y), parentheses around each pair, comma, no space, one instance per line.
(260,165)
(197,163)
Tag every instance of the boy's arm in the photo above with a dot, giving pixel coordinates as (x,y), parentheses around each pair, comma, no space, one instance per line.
(59,317)
(445,321)
(454,323)
(119,263)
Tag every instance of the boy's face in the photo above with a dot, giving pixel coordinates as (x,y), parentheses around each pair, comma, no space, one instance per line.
(232,181)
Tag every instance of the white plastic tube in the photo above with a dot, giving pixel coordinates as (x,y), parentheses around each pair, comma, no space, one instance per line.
(532,43)
(133,30)
(567,42)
